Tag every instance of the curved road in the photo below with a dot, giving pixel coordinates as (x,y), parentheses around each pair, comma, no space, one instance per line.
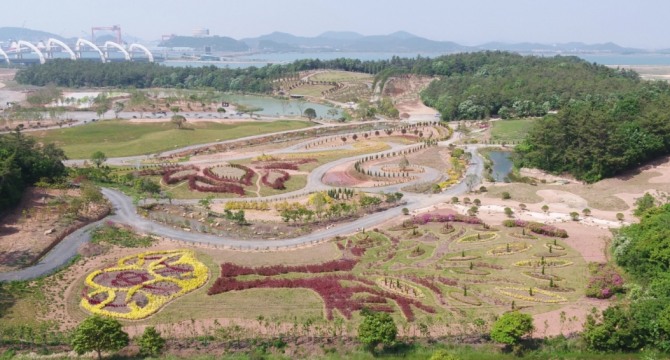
(124,212)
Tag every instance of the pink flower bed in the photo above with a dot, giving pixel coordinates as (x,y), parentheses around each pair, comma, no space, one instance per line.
(538,228)
(605,282)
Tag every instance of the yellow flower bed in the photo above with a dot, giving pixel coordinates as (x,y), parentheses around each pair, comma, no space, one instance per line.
(480,237)
(196,278)
(514,248)
(553,297)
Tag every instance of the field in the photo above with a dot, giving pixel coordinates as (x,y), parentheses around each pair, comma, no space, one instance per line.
(510,130)
(341,76)
(118,138)
(425,274)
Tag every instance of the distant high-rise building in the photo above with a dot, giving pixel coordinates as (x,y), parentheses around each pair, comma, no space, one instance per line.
(201,32)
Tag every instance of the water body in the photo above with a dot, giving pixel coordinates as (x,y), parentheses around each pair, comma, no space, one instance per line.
(276,107)
(260,60)
(502,164)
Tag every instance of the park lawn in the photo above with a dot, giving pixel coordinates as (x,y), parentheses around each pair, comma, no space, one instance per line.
(510,130)
(118,138)
(311,90)
(341,76)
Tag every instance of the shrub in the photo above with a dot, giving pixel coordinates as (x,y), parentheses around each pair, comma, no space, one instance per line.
(511,327)
(605,281)
(506,195)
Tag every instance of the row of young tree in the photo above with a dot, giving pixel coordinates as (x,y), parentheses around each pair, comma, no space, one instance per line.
(23,162)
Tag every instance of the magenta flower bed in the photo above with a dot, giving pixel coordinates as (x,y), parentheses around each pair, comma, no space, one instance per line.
(538,228)
(605,281)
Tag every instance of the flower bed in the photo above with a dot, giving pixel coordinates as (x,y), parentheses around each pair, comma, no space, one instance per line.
(538,228)
(523,293)
(554,246)
(141,284)
(424,219)
(336,296)
(605,281)
(541,276)
(552,254)
(468,271)
(470,300)
(479,237)
(463,258)
(509,249)
(540,263)
(278,180)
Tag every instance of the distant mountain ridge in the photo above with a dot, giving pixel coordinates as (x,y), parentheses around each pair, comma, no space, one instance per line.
(344,41)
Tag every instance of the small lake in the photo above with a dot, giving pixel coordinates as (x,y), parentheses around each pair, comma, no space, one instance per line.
(276,107)
(502,164)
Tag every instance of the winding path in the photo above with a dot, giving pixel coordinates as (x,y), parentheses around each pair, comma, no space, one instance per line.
(125,212)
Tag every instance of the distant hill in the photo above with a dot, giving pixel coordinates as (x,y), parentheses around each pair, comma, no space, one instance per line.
(16,33)
(570,47)
(217,43)
(404,42)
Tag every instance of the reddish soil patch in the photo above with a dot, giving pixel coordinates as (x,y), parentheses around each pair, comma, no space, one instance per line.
(36,224)
(553,323)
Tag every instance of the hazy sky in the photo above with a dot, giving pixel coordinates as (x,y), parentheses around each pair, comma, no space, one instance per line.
(641,23)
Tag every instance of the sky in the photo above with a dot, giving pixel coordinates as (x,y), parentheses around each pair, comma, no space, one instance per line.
(640,23)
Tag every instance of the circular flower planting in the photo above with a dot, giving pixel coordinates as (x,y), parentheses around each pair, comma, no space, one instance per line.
(479,237)
(141,284)
(531,294)
(541,276)
(509,249)
(540,263)
(469,299)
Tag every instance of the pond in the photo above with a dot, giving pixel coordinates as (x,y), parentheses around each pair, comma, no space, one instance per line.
(502,165)
(275,107)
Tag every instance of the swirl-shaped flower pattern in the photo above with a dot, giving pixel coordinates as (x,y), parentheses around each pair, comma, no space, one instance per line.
(141,284)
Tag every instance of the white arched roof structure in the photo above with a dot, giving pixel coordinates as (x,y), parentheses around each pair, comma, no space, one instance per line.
(126,55)
(90,44)
(144,49)
(33,48)
(4,54)
(50,43)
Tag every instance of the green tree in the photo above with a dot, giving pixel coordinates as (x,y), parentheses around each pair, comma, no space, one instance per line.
(221,111)
(99,334)
(404,163)
(98,158)
(117,108)
(151,343)
(178,120)
(506,195)
(310,113)
(377,328)
(511,327)
(643,204)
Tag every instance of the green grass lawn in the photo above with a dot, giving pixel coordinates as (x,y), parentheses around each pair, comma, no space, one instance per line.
(510,130)
(121,138)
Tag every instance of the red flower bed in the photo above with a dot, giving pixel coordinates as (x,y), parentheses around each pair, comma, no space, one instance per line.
(335,295)
(245,179)
(278,183)
(447,281)
(233,270)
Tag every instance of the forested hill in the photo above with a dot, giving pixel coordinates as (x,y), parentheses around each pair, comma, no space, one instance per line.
(601,136)
(480,85)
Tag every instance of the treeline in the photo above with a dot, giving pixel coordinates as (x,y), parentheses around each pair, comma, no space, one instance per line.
(24,162)
(603,136)
(480,85)
(642,319)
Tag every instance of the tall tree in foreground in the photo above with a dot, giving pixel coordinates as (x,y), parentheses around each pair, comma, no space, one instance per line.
(151,343)
(99,334)
(377,328)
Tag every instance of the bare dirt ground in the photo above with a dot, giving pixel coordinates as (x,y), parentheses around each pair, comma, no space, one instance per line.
(34,225)
(566,320)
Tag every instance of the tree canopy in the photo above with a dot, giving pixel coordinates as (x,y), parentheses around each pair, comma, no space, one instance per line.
(23,162)
(98,333)
(377,328)
(511,327)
